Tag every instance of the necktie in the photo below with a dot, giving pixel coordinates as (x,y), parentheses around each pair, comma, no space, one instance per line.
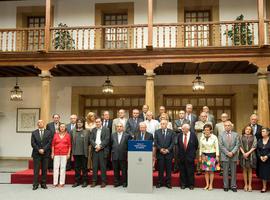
(163,134)
(229,138)
(106,124)
(185,141)
(41,134)
(142,136)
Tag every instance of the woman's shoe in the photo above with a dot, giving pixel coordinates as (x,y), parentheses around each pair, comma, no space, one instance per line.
(61,185)
(263,190)
(250,189)
(55,186)
(245,188)
(210,188)
(206,188)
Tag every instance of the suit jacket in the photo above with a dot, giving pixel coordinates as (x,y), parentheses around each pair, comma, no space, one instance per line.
(115,122)
(109,126)
(141,116)
(132,127)
(37,143)
(211,118)
(190,153)
(258,133)
(147,136)
(166,143)
(178,123)
(50,126)
(225,148)
(219,128)
(193,120)
(86,141)
(68,127)
(104,137)
(119,151)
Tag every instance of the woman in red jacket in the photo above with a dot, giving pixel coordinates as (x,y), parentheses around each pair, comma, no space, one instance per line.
(61,146)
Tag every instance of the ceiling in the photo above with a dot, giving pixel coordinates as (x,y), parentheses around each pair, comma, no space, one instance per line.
(133,69)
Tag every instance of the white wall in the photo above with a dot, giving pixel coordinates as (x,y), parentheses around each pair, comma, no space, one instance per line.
(14,144)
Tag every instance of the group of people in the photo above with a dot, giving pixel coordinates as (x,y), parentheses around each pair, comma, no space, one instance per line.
(192,144)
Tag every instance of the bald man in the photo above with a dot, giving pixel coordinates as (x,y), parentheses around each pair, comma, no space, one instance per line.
(41,140)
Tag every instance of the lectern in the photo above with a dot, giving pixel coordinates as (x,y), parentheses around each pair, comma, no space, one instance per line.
(140,167)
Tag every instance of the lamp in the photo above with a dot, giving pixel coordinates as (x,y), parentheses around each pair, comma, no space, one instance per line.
(107,87)
(16,92)
(198,83)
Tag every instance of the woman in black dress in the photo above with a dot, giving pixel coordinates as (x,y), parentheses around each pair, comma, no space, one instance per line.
(263,151)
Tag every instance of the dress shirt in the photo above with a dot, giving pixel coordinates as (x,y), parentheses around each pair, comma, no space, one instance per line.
(152,126)
(98,136)
(119,137)
(188,136)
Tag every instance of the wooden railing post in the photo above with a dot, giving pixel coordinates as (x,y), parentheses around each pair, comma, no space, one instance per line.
(150,25)
(48,25)
(261,22)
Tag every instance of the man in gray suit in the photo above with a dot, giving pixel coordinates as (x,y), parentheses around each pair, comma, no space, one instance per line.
(191,116)
(219,128)
(210,117)
(121,119)
(229,146)
(99,139)
(119,142)
(132,125)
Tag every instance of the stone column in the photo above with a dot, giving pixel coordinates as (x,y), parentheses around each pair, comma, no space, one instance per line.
(45,95)
(150,90)
(263,101)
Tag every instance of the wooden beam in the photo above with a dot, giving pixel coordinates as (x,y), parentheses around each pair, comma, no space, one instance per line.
(261,22)
(48,25)
(12,71)
(150,24)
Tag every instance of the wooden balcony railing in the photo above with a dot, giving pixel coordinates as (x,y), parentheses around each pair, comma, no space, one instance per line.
(173,35)
(23,39)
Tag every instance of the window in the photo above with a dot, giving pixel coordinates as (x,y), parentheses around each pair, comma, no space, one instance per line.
(217,104)
(197,35)
(115,38)
(98,104)
(35,38)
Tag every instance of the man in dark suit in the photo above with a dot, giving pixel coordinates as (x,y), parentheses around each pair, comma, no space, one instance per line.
(99,139)
(70,127)
(178,123)
(164,142)
(187,147)
(41,140)
(145,109)
(191,116)
(119,154)
(107,122)
(257,129)
(53,127)
(143,134)
(132,125)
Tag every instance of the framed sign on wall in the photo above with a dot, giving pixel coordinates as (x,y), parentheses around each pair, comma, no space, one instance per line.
(27,119)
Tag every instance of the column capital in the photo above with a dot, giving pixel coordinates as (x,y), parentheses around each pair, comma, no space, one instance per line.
(45,66)
(262,73)
(149,73)
(150,65)
(45,74)
(262,62)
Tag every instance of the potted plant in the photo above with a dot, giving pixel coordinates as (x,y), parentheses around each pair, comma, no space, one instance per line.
(63,39)
(240,33)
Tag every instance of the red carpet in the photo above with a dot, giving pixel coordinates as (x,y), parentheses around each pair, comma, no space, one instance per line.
(26,177)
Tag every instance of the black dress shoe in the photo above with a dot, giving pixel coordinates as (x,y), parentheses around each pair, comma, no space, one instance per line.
(44,186)
(169,186)
(191,187)
(35,187)
(234,189)
(183,187)
(94,184)
(116,184)
(226,189)
(158,185)
(75,185)
(124,185)
(85,184)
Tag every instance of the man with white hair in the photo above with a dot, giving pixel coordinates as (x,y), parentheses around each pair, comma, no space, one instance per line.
(219,128)
(187,146)
(152,124)
(229,146)
(143,134)
(121,119)
(164,142)
(210,117)
(257,129)
(132,125)
(190,115)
